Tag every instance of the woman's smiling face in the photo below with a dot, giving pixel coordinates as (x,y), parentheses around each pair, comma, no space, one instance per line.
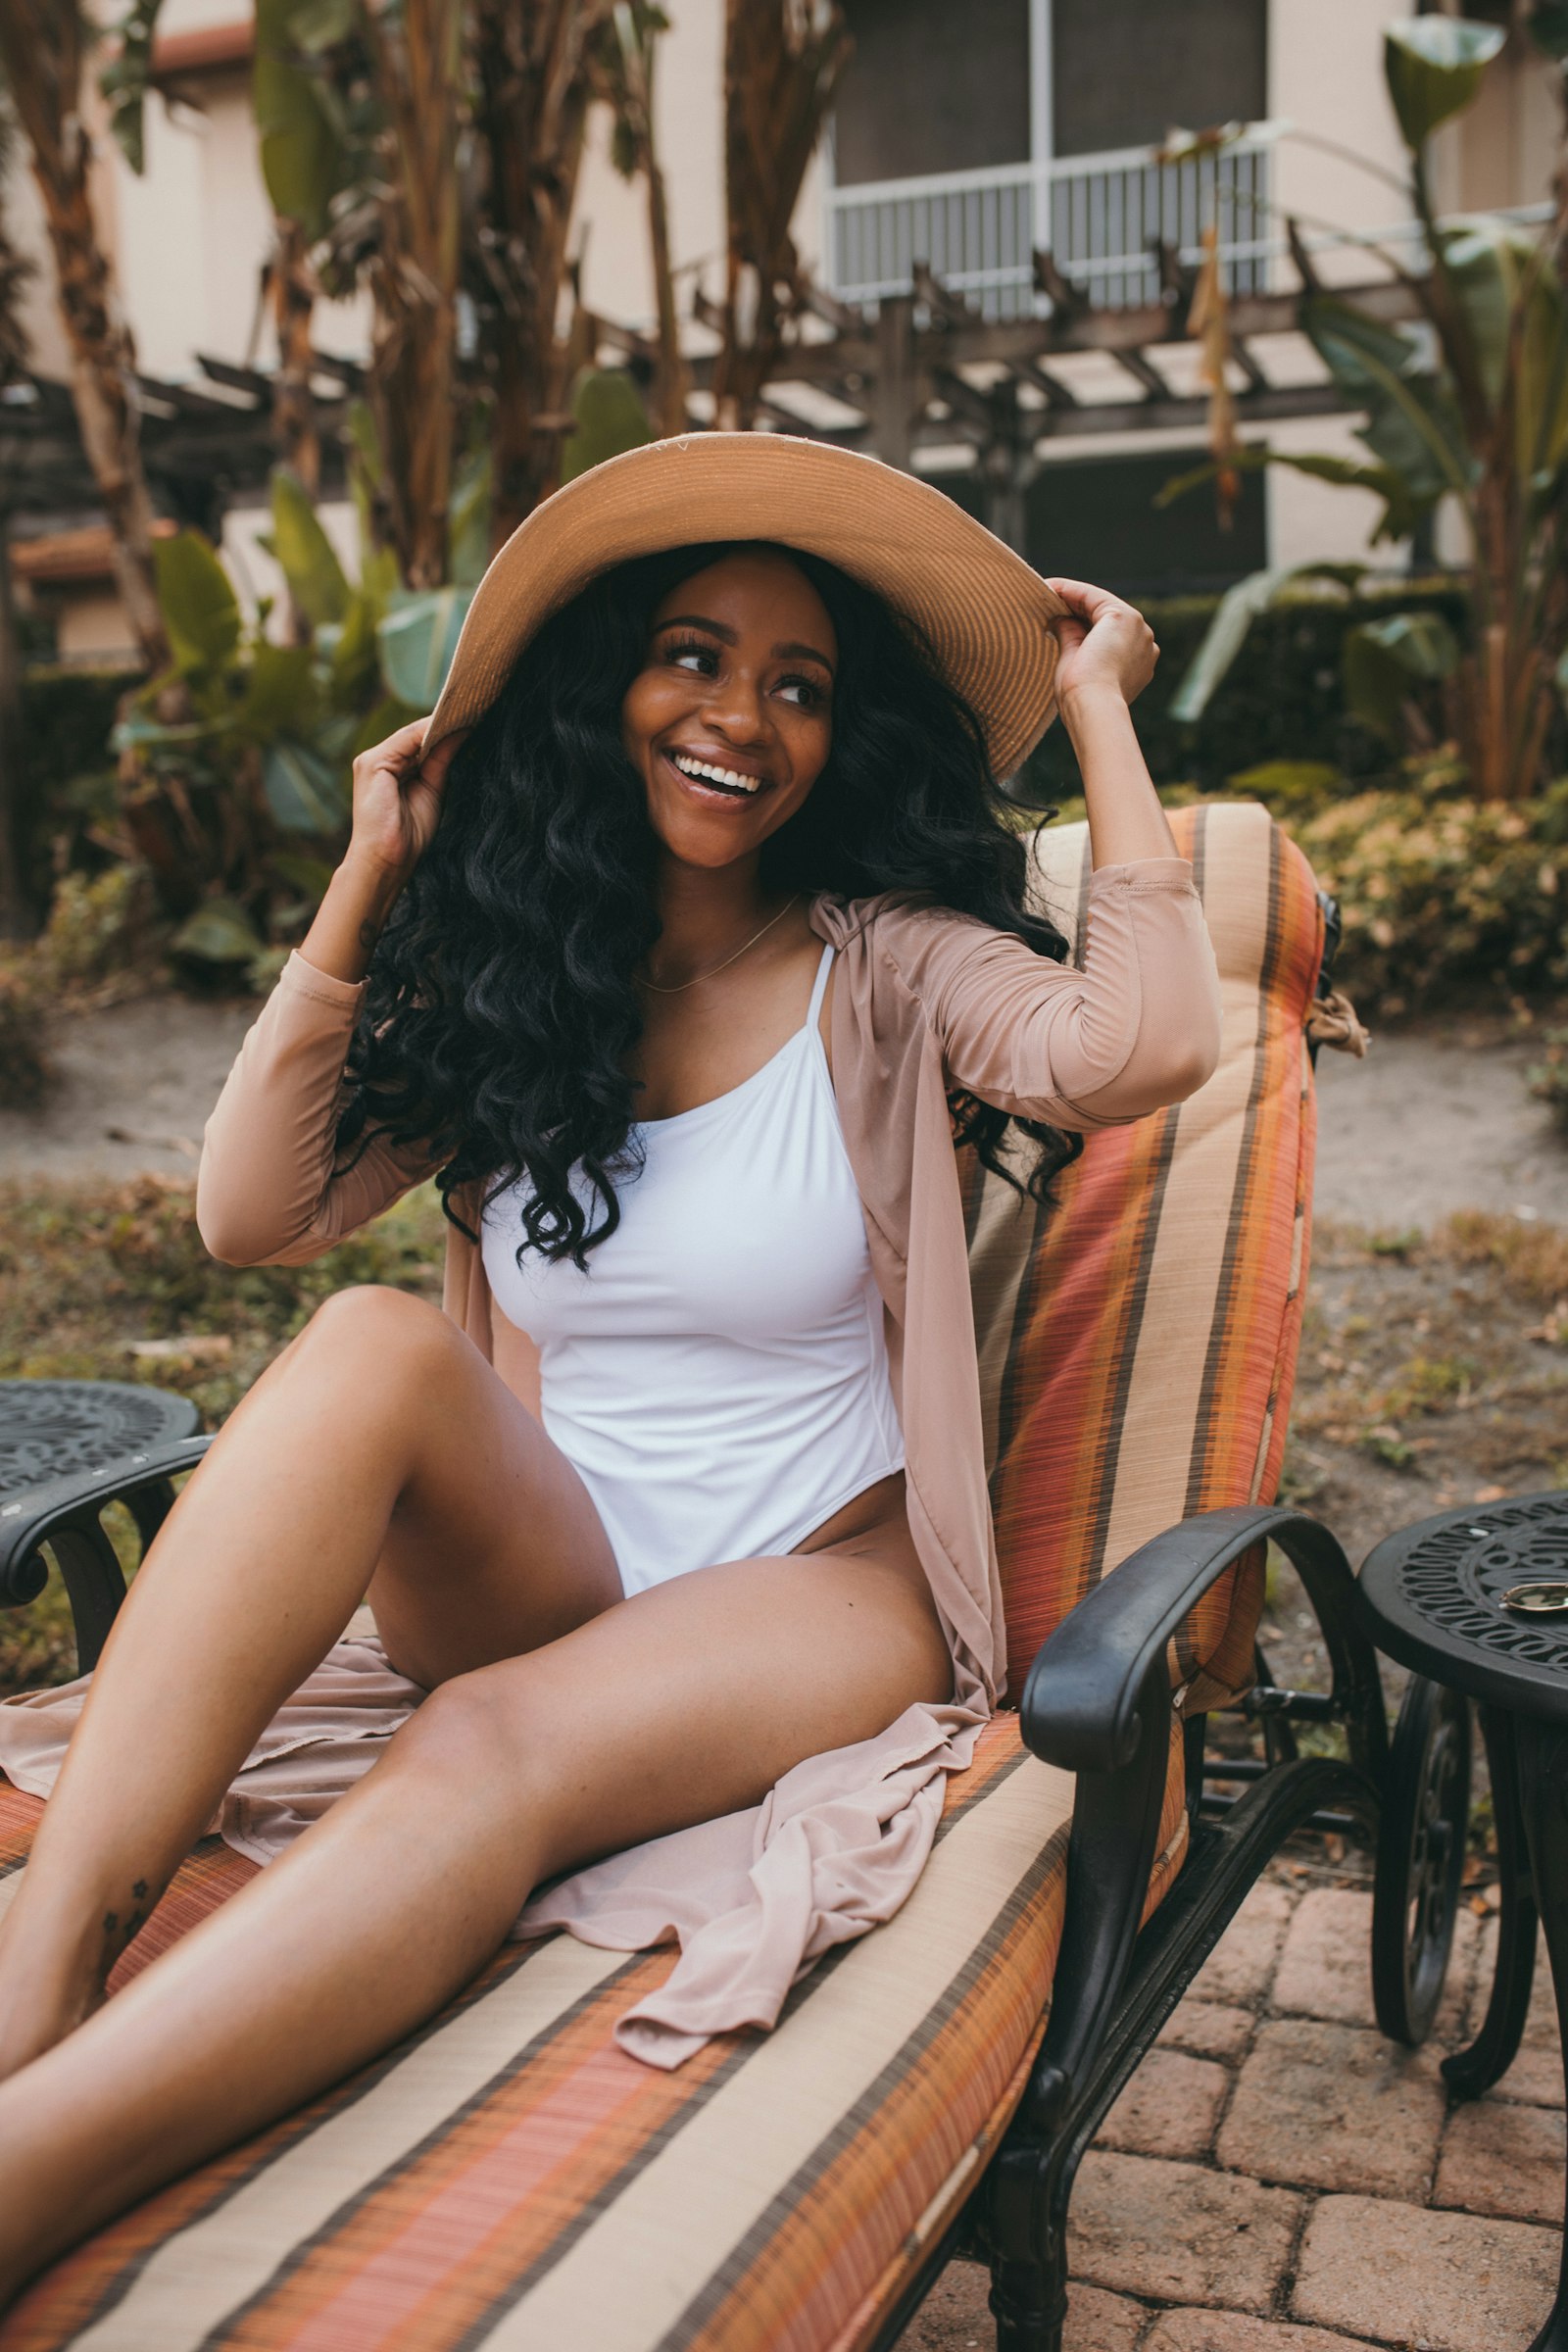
(729,721)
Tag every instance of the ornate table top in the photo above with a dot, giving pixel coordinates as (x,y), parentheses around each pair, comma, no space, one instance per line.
(1432,1598)
(53,1428)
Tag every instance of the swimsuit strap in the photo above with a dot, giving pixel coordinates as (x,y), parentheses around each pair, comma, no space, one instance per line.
(819,987)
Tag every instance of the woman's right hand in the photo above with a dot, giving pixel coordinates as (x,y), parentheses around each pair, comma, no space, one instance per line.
(397,800)
(397,807)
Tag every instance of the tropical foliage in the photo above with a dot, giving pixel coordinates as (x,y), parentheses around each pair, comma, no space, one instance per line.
(1466,408)
(1442,895)
(240,800)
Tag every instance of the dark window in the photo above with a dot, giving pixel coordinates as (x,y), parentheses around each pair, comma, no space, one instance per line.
(931,87)
(1126,72)
(1095,518)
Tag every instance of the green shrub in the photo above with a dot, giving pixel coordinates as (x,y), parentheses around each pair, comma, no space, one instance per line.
(1549,1080)
(24,1018)
(1444,897)
(102,932)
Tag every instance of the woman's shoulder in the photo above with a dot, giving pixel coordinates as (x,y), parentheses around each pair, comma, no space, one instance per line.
(890,919)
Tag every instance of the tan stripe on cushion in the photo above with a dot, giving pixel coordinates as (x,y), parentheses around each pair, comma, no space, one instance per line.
(204,2273)
(628,2278)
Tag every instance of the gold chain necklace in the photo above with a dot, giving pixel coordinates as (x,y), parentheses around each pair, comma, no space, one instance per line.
(662,989)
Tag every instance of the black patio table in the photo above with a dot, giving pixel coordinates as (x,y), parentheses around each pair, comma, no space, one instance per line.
(1434,1597)
(51,1434)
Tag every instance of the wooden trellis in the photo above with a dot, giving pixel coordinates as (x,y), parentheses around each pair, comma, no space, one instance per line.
(918,372)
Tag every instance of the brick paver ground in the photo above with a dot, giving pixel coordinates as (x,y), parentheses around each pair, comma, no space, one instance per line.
(1277,2178)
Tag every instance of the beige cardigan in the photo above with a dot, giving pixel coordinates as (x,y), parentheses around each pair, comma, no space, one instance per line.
(924,1001)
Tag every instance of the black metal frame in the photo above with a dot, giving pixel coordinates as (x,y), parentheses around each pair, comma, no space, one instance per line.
(67,1515)
(1098,1702)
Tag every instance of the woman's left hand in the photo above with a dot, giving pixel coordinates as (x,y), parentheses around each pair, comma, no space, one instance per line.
(1106,644)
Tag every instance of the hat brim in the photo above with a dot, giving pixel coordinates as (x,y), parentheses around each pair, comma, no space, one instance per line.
(982,610)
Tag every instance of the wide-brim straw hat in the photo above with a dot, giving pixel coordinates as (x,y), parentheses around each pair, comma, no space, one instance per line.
(981,611)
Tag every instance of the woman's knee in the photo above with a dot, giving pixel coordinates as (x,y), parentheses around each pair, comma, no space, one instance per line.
(470,1728)
(381,1336)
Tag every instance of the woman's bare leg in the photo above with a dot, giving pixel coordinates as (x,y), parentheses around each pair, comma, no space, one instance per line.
(379,1444)
(674,1706)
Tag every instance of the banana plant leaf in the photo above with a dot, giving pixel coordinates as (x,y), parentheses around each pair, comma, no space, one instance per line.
(1513,306)
(1400,512)
(281,693)
(352,655)
(376,725)
(127,78)
(468,519)
(1233,619)
(304,790)
(200,609)
(307,875)
(1434,66)
(418,640)
(1385,660)
(218,932)
(1411,425)
(609,418)
(302,152)
(315,579)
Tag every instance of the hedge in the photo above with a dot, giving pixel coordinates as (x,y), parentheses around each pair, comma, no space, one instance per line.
(1283,700)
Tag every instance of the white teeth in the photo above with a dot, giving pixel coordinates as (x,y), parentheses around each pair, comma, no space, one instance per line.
(716,775)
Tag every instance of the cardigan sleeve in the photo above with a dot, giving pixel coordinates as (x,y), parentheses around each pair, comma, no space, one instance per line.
(268,1191)
(1135,1027)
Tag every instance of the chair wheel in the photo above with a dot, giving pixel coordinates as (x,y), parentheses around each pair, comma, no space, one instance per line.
(1420,1862)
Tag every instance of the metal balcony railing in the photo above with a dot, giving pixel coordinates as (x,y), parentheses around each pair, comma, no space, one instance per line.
(1102,217)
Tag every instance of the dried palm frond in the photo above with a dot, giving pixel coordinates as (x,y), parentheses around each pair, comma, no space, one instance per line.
(783,63)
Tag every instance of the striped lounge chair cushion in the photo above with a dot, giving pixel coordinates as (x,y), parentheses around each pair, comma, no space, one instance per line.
(507,2178)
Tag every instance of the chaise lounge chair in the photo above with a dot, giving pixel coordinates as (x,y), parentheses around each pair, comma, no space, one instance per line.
(507,2179)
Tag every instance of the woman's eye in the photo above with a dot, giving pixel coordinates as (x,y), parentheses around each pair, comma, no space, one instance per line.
(700,658)
(803,691)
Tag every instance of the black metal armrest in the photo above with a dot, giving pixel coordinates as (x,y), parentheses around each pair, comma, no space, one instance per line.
(1097,1701)
(64,1514)
(1080,1707)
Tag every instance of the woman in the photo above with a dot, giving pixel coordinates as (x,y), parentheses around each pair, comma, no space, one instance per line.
(680,1505)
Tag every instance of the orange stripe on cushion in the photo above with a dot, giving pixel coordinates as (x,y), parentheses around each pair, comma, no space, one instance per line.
(1147,1371)
(90,2281)
(473,2215)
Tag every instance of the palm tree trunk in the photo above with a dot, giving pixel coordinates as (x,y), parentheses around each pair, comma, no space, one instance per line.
(415,278)
(41,49)
(292,288)
(670,387)
(781,67)
(531,90)
(16,910)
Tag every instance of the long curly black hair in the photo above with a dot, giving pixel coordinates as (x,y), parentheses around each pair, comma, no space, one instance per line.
(502,1008)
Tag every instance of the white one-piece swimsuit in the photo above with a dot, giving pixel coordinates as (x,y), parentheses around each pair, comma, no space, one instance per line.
(718,1374)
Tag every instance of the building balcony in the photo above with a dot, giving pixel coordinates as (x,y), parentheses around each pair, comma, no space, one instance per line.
(1102,217)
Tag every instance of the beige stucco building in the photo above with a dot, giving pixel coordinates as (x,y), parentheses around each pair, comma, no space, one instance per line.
(1018,122)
